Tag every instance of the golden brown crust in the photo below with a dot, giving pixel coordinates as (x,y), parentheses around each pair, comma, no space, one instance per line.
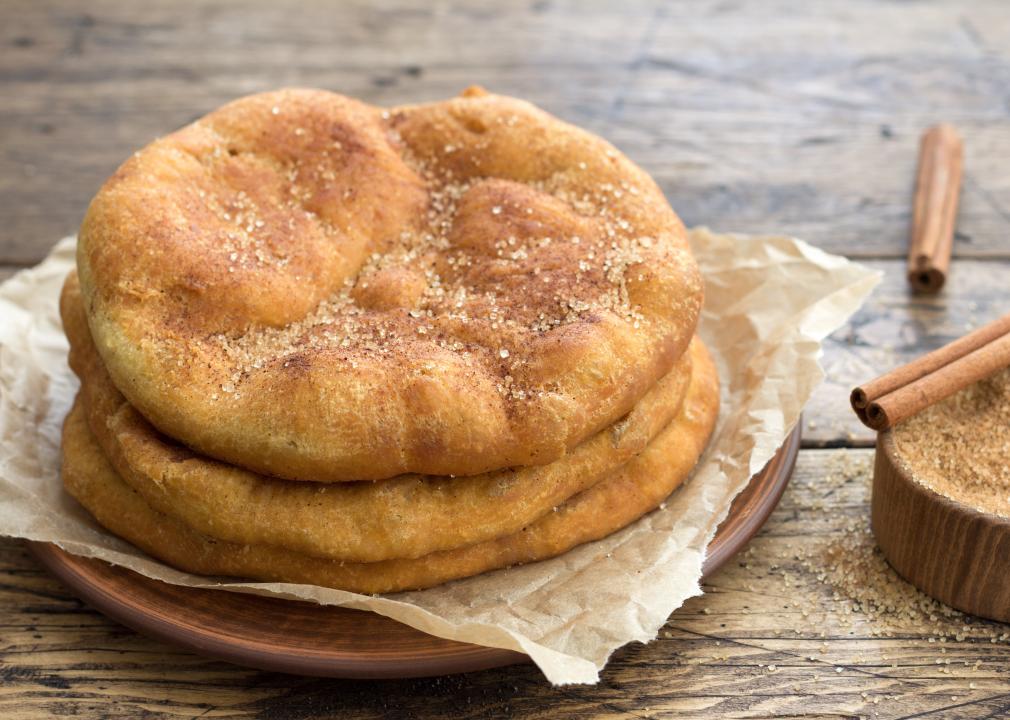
(632,491)
(314,288)
(406,516)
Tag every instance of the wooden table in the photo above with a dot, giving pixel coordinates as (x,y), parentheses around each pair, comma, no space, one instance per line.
(797,118)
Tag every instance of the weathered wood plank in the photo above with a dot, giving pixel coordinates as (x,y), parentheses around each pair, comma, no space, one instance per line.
(806,125)
(809,124)
(779,632)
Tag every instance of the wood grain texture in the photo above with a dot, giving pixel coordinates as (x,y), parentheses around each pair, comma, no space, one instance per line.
(797,118)
(952,552)
(779,117)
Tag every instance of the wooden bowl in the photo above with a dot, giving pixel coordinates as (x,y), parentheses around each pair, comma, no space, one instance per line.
(950,551)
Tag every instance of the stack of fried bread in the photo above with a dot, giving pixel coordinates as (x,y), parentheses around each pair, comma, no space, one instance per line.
(378,350)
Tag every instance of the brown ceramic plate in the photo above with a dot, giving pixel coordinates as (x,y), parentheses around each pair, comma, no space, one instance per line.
(309,639)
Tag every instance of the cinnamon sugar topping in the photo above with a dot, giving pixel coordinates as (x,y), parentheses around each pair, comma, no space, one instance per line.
(433,284)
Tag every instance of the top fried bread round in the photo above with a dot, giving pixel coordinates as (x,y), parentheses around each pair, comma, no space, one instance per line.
(317,289)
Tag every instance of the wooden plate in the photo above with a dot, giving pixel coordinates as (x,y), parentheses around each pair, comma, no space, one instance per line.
(309,639)
(950,551)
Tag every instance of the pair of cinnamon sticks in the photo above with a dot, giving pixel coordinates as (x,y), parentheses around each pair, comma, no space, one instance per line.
(903,392)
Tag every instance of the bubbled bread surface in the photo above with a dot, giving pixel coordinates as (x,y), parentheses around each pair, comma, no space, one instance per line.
(314,288)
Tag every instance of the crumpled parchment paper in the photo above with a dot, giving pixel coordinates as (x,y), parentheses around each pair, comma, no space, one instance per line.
(769,302)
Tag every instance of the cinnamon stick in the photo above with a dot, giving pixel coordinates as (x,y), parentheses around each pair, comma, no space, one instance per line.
(938,186)
(901,393)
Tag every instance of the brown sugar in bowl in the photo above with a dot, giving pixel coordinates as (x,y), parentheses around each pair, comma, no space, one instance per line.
(958,554)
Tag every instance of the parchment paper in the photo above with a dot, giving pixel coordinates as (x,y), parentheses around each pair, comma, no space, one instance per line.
(769,302)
